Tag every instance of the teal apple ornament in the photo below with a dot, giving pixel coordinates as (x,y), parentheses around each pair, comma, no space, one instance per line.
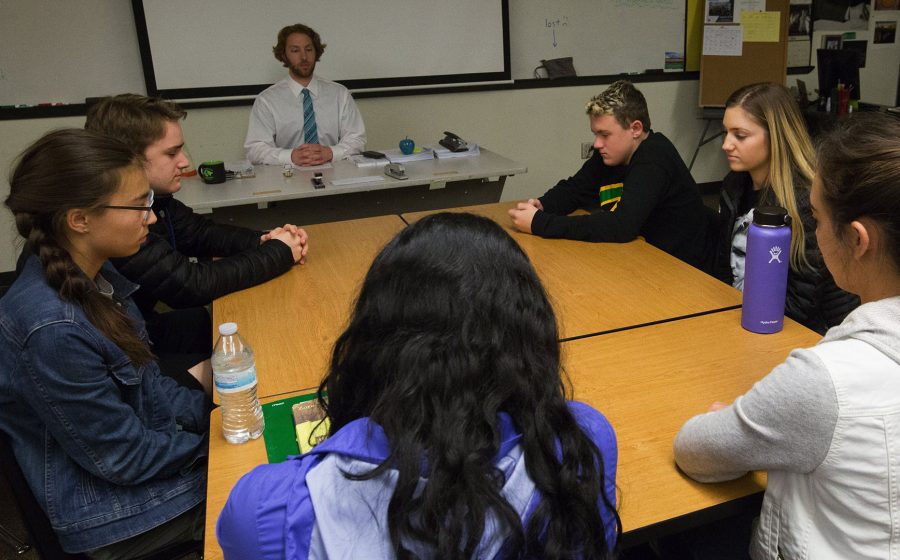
(407,146)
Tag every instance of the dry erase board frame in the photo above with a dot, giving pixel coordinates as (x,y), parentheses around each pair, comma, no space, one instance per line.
(62,52)
(103,58)
(224,48)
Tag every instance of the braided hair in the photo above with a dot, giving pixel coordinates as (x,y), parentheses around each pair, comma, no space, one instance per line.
(66,169)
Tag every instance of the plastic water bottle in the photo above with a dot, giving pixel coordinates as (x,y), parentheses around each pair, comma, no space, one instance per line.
(234,373)
(766,270)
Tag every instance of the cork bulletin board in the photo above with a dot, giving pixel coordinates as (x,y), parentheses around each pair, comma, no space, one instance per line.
(758,62)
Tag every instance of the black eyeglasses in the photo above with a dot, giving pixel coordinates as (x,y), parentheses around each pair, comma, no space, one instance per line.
(146,209)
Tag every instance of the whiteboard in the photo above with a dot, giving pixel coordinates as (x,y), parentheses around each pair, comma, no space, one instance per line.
(63,51)
(603,37)
(224,47)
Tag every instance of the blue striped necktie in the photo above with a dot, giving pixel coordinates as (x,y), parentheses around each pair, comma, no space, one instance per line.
(310,133)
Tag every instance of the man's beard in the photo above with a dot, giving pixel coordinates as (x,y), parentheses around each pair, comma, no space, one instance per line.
(299,72)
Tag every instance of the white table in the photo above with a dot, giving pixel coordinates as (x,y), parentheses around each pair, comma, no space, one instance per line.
(477,179)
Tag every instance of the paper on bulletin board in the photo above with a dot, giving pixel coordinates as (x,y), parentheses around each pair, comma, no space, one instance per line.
(741,6)
(761,27)
(722,40)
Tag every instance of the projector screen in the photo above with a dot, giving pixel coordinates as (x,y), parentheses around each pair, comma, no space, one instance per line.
(205,49)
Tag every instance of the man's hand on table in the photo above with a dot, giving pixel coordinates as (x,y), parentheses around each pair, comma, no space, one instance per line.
(311,154)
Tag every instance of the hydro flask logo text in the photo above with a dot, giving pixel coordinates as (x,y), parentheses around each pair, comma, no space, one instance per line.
(775,253)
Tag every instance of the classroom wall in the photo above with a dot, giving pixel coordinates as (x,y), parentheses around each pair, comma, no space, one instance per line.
(542,128)
(879,79)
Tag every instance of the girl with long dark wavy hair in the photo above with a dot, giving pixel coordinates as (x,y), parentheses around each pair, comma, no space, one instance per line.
(450,435)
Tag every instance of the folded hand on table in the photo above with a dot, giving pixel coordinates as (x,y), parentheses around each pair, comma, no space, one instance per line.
(311,154)
(294,237)
(523,213)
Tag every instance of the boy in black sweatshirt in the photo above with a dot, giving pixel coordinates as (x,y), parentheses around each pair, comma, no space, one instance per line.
(635,183)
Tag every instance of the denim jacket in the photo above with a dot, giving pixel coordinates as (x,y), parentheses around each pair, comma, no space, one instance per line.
(109,449)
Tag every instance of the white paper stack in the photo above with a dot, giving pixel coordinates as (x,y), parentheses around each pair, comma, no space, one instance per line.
(396,156)
(441,152)
(362,161)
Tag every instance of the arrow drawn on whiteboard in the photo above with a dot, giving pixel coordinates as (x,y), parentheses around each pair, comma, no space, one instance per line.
(554,37)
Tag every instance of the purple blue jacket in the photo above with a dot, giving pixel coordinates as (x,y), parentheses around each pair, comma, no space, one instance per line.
(306,508)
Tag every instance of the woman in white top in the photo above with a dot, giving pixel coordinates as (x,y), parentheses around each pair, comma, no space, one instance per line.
(825,424)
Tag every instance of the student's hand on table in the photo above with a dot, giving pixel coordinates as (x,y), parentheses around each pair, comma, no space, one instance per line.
(303,237)
(294,237)
(522,215)
(718,405)
(536,202)
(311,154)
(267,236)
(286,227)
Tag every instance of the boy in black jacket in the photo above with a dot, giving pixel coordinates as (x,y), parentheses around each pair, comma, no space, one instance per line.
(167,266)
(635,183)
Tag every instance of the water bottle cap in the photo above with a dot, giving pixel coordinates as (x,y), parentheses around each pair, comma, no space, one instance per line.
(226,329)
(771,216)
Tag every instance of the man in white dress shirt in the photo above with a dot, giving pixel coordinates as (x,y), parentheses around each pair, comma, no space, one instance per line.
(303,119)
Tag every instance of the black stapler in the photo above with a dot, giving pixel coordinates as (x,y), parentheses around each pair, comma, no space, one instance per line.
(453,142)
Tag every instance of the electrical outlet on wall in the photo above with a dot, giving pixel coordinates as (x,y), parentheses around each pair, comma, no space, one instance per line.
(586,148)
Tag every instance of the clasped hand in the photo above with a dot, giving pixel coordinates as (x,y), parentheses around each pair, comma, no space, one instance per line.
(294,237)
(311,154)
(523,213)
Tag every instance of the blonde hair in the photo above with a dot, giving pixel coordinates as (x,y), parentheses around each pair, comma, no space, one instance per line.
(623,101)
(791,154)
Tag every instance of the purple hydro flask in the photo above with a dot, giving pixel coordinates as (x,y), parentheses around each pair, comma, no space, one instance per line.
(766,270)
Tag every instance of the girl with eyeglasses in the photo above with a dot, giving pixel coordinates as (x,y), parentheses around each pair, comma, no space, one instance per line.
(114,452)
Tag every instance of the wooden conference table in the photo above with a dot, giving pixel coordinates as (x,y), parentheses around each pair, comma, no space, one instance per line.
(354,192)
(292,321)
(599,287)
(648,340)
(648,381)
